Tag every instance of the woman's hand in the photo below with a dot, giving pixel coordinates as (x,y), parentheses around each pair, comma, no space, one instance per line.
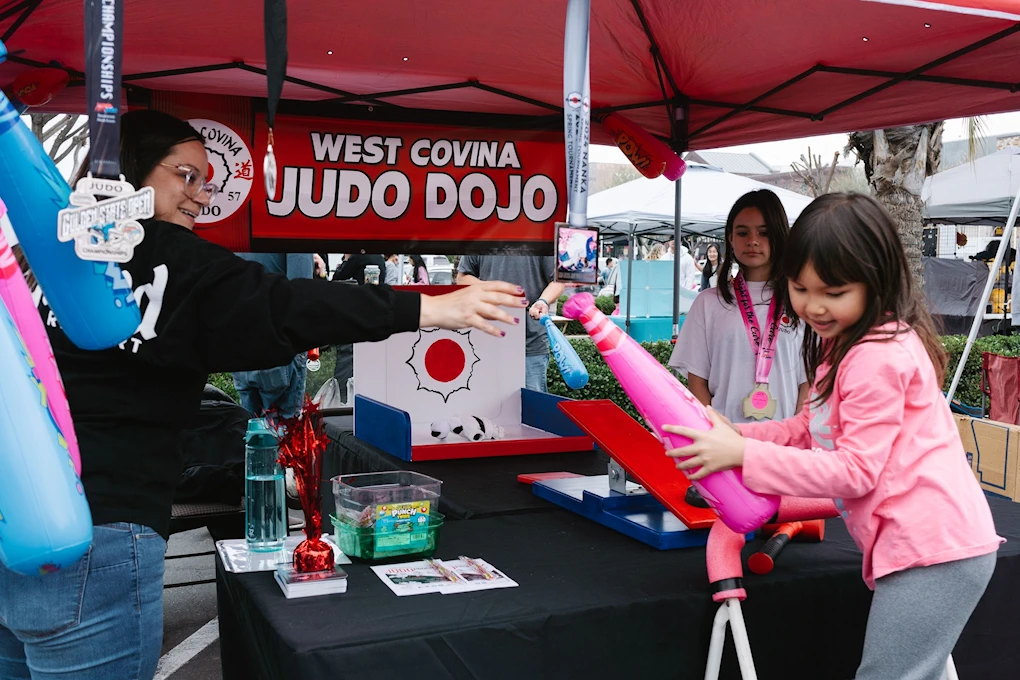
(720,448)
(473,307)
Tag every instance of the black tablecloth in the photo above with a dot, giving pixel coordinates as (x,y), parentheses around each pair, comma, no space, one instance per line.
(591,604)
(473,488)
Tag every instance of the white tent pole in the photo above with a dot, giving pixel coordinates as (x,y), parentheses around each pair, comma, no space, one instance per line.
(980,314)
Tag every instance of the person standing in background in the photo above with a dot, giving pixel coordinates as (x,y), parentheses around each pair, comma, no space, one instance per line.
(722,335)
(710,272)
(419,272)
(668,254)
(535,274)
(613,282)
(354,267)
(687,277)
(282,388)
(391,276)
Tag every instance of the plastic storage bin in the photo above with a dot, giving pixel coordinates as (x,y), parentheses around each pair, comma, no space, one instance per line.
(366,543)
(362,498)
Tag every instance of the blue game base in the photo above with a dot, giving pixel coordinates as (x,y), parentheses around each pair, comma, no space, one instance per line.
(639,515)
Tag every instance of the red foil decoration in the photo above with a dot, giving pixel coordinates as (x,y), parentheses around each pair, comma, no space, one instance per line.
(313,554)
(302,443)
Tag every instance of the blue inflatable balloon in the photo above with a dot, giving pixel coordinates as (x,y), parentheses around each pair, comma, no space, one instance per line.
(45,523)
(91,300)
(573,370)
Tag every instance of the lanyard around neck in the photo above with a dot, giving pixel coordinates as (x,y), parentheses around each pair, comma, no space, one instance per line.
(764,353)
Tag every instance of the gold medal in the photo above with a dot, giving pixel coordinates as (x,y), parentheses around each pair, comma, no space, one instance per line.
(760,404)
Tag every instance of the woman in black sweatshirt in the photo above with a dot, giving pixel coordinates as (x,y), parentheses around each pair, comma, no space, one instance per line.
(203,311)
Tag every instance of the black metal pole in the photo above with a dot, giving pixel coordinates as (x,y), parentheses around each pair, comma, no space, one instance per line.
(676,258)
(630,272)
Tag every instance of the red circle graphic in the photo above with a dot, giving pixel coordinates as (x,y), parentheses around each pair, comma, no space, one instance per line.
(444,360)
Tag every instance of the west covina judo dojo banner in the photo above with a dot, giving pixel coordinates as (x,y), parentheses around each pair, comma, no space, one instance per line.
(399,187)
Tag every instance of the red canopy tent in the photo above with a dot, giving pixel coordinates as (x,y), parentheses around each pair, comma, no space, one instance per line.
(731,71)
(700,73)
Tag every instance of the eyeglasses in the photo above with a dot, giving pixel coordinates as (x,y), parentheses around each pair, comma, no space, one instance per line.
(193,183)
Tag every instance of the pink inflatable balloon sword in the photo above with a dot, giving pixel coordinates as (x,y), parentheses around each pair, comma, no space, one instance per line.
(651,156)
(16,296)
(662,400)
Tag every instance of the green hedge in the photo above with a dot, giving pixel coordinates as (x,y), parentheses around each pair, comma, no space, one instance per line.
(225,382)
(602,384)
(969,390)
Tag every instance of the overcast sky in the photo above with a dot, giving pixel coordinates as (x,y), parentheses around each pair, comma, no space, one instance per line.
(780,154)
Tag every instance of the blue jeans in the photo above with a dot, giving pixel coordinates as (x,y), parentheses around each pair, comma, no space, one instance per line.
(536,369)
(281,388)
(99,619)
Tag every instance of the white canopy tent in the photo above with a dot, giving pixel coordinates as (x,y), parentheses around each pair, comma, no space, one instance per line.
(983,192)
(980,192)
(644,207)
(647,206)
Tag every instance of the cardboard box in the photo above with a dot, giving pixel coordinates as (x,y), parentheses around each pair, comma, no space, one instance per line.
(993,450)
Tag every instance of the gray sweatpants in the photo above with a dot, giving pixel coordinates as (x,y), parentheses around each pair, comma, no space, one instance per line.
(917,616)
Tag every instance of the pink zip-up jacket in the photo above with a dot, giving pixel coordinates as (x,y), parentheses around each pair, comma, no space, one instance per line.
(885,446)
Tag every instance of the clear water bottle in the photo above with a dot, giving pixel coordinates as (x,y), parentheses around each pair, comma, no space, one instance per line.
(265,494)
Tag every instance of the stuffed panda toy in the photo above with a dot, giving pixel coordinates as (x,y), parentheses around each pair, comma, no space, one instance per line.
(472,428)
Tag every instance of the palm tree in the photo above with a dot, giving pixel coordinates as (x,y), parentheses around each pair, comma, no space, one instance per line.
(896,162)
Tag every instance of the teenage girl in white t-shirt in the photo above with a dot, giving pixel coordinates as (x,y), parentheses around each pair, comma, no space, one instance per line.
(718,346)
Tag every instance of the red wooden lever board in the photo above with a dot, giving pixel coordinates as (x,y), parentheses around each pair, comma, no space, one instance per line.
(640,454)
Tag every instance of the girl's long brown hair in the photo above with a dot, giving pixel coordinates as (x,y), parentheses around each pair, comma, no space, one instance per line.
(774,214)
(849,238)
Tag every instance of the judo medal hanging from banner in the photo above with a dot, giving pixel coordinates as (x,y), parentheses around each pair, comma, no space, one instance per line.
(275,30)
(103,219)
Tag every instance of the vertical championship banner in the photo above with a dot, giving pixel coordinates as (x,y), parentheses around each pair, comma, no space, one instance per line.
(104,20)
(402,187)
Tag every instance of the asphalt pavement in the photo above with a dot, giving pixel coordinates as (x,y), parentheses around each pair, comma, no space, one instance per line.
(191,646)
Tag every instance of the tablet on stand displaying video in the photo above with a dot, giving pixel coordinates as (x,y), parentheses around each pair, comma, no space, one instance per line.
(577,255)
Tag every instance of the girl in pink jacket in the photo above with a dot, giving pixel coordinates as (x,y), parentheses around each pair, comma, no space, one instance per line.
(877,436)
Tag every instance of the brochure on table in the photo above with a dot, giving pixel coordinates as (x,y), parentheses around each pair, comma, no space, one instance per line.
(450,576)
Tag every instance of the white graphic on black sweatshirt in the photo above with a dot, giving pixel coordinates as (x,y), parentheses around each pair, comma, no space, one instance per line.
(150,302)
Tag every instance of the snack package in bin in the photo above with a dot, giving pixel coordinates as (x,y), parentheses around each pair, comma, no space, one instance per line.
(383,514)
(363,499)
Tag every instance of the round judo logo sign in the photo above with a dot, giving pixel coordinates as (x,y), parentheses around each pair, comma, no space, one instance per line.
(443,361)
(230,169)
